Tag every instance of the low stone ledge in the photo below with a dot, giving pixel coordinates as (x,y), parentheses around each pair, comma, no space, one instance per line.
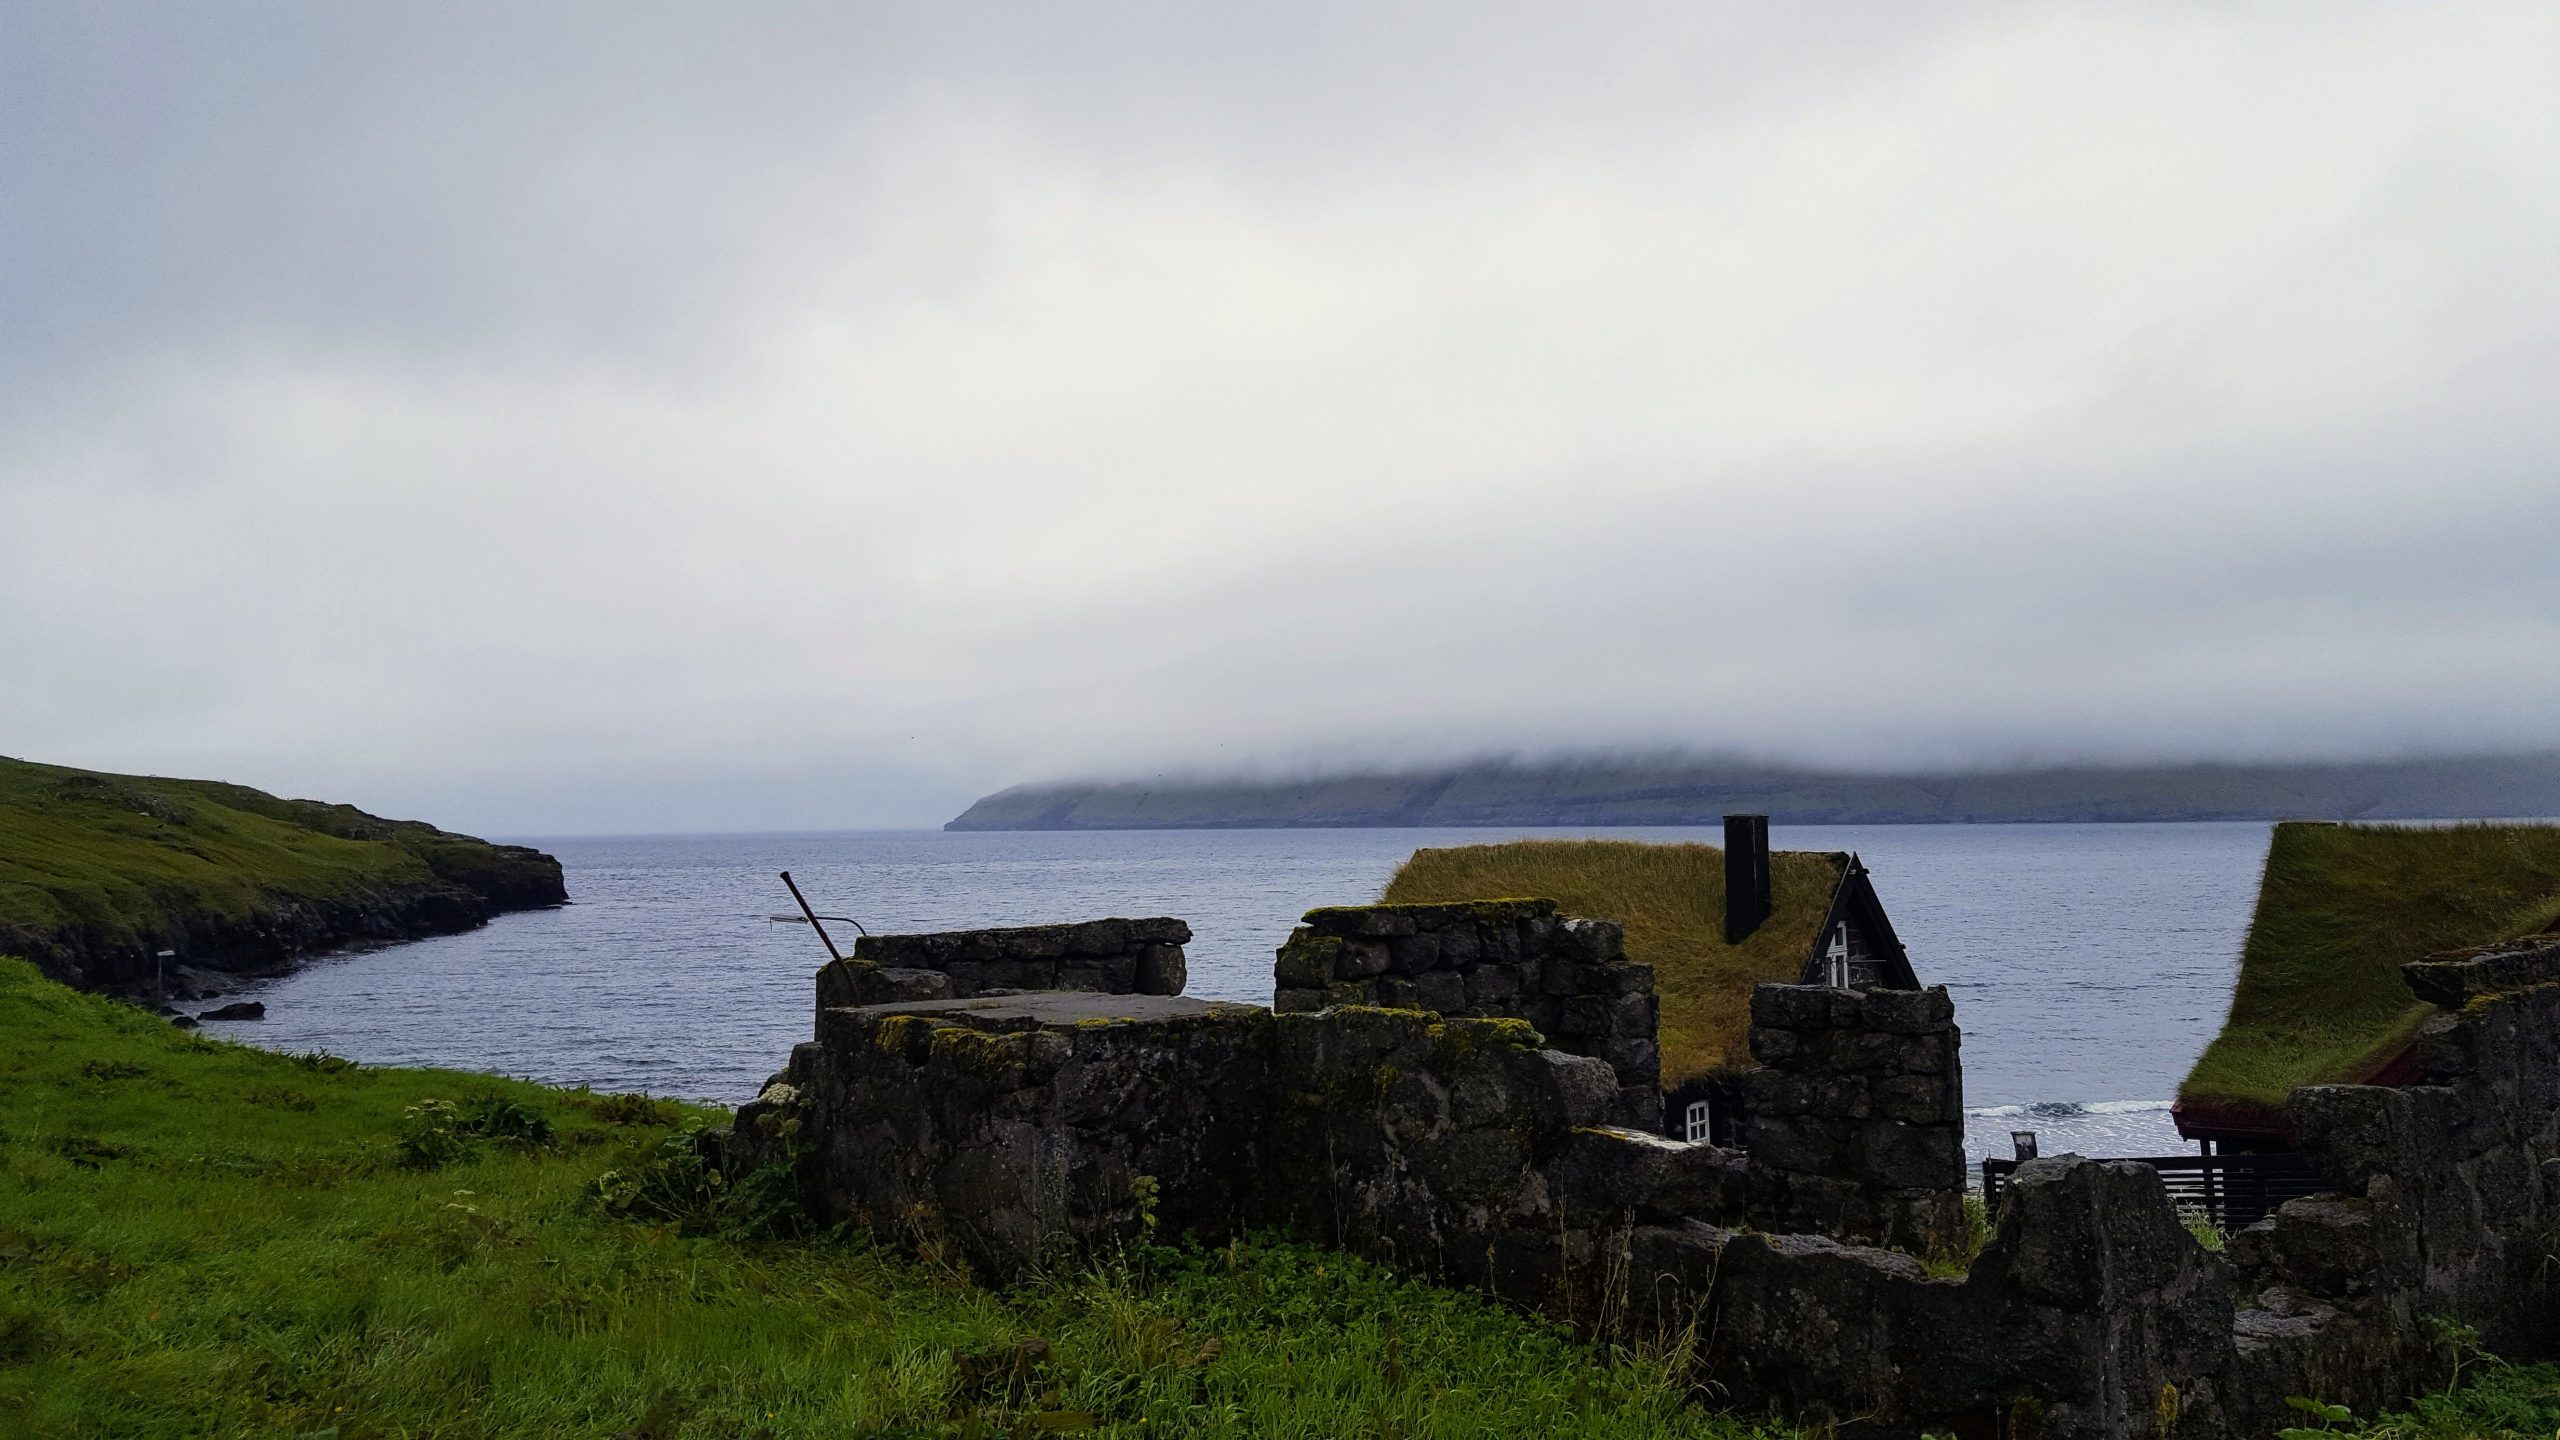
(1614,1170)
(1111,957)
(2455,978)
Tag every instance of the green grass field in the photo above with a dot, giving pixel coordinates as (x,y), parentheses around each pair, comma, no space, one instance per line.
(201,1239)
(1670,901)
(2342,907)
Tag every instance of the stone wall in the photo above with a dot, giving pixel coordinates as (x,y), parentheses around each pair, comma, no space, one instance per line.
(1107,957)
(1495,959)
(1857,1114)
(1017,1127)
(2092,1314)
(1013,1127)
(2449,1198)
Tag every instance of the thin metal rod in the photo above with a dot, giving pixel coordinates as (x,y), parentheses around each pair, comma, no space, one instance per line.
(823,938)
(844,971)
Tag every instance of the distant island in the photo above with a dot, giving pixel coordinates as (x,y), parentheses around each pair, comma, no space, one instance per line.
(98,873)
(1697,792)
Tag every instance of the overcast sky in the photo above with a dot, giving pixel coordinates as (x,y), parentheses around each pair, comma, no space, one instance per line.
(559,418)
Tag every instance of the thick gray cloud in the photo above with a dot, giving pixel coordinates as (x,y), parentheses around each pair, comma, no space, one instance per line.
(650,417)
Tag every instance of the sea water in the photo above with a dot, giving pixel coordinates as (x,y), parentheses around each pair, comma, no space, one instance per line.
(2089,963)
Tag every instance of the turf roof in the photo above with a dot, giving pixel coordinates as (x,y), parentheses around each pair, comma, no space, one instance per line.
(1670,900)
(2320,999)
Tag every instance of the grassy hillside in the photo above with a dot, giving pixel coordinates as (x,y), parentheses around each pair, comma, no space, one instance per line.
(200,1239)
(1670,900)
(2342,907)
(1677,791)
(98,871)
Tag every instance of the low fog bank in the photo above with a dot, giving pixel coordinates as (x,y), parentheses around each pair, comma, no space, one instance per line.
(1667,790)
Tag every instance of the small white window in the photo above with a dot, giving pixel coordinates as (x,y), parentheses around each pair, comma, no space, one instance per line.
(1701,1122)
(1838,956)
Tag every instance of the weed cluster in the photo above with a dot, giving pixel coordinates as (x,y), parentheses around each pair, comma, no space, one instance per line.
(678,1179)
(437,1133)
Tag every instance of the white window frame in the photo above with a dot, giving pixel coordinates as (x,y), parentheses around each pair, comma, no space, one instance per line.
(1700,1123)
(1838,956)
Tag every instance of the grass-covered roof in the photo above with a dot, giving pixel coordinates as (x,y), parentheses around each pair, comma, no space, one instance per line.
(1670,901)
(2320,999)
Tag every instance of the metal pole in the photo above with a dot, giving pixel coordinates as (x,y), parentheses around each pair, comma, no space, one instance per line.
(844,971)
(832,952)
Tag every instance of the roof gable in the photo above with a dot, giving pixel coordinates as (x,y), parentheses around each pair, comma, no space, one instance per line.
(1855,902)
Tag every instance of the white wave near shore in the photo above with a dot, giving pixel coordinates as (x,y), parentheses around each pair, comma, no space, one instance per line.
(2103,1129)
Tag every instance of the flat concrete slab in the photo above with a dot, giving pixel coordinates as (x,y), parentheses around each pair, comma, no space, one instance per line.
(1043,1009)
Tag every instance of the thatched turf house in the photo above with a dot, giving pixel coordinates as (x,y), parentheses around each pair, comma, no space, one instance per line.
(1712,923)
(2320,999)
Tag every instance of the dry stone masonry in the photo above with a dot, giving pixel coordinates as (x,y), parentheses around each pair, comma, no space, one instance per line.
(1016,1127)
(1502,959)
(1857,1113)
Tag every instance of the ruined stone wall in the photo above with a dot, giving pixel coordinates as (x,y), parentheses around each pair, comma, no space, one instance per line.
(1015,1128)
(1108,957)
(2092,1313)
(1459,1148)
(2449,1202)
(1857,1114)
(1496,959)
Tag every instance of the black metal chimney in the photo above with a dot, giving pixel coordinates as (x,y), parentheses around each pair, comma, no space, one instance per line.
(1746,875)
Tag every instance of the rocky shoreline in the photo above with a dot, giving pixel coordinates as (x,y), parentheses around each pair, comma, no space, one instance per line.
(129,884)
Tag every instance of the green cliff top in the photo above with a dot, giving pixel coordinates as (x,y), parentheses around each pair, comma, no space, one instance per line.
(122,859)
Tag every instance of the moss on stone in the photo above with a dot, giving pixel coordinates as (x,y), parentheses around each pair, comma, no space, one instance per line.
(901,1034)
(975,1049)
(1457,1041)
(1439,913)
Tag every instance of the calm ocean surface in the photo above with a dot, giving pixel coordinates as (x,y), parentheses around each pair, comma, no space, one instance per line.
(2089,963)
